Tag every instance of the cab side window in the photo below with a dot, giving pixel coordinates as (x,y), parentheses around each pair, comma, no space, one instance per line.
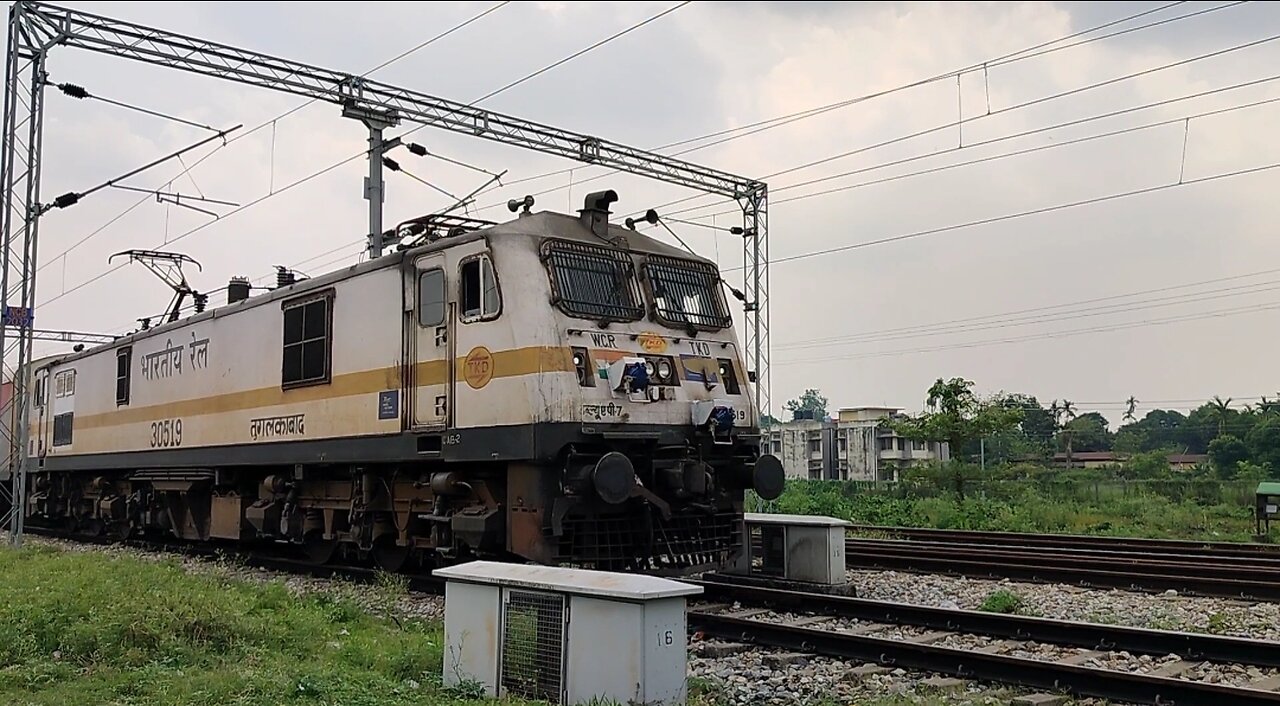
(431,298)
(307,341)
(479,296)
(124,360)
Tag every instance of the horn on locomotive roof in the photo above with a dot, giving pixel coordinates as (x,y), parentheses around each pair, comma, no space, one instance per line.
(514,205)
(595,212)
(650,217)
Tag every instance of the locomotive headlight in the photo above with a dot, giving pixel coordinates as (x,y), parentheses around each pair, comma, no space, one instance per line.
(648,367)
(582,364)
(664,370)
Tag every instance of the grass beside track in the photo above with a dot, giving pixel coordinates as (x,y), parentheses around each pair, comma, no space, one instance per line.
(89,628)
(98,628)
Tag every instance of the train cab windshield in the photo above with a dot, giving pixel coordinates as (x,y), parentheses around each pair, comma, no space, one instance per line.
(686,293)
(593,282)
(600,283)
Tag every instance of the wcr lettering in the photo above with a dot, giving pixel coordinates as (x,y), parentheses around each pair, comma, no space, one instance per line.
(603,340)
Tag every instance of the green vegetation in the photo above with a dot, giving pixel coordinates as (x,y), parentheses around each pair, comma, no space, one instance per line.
(1001,601)
(1055,502)
(956,416)
(1001,477)
(1242,441)
(85,628)
(810,405)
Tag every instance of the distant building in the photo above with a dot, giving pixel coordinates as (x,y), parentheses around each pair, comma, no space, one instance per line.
(853,445)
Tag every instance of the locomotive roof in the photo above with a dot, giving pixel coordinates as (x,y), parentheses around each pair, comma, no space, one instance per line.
(543,224)
(559,225)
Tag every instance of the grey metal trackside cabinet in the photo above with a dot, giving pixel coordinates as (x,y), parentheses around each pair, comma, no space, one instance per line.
(565,635)
(802,548)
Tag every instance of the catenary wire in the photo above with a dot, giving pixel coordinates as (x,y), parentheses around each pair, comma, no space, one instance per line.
(80,93)
(1073,91)
(1018,152)
(1020,214)
(1004,138)
(1221,313)
(1108,310)
(363,153)
(1017,106)
(778,121)
(1082,302)
(272,121)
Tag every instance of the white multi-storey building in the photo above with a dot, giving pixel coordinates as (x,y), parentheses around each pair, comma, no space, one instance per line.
(856,444)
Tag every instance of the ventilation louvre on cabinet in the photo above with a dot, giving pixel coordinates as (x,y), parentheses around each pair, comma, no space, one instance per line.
(532,651)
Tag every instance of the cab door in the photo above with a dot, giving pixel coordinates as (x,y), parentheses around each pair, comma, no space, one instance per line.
(43,437)
(432,341)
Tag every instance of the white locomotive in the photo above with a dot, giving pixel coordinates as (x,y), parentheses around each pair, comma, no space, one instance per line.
(551,389)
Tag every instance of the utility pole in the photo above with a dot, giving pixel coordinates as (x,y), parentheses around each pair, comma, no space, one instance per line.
(982,452)
(374,186)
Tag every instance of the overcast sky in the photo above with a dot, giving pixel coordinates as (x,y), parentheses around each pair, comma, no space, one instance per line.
(847,322)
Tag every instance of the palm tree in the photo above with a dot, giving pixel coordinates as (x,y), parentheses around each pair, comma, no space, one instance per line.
(1220,408)
(1266,406)
(1068,410)
(1133,405)
(1065,410)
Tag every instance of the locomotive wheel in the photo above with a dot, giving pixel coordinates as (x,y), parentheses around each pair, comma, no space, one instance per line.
(119,531)
(319,550)
(390,556)
(92,527)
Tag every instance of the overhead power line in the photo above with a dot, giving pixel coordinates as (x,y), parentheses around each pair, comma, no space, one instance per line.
(1015,153)
(1051,307)
(79,92)
(952,74)
(579,53)
(364,153)
(266,123)
(1107,310)
(1221,313)
(1020,214)
(779,121)
(1017,106)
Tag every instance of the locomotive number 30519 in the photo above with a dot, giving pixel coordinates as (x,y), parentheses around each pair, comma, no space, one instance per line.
(166,433)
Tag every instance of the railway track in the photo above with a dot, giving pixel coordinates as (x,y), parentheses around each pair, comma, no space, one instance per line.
(1071,541)
(1254,576)
(825,628)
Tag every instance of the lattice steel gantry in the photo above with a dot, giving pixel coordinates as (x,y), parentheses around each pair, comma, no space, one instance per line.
(35,28)
(19,221)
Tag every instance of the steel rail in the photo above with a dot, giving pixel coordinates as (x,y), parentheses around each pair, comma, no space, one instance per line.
(1188,645)
(1074,541)
(1059,570)
(967,664)
(1260,568)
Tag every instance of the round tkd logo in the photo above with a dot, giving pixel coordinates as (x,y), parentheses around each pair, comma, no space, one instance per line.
(478,367)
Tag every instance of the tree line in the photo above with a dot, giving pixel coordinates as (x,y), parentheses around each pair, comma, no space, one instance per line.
(1241,441)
